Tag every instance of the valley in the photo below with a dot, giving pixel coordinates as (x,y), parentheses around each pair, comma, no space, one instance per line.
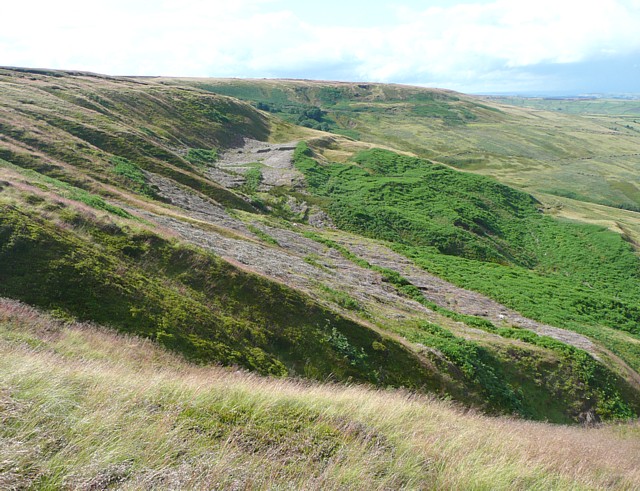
(459,261)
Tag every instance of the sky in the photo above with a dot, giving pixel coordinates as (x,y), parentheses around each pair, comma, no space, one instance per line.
(502,46)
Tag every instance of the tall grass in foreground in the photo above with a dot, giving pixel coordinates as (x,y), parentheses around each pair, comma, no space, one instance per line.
(84,408)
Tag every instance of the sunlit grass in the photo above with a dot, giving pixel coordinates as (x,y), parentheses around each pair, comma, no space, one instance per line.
(83,407)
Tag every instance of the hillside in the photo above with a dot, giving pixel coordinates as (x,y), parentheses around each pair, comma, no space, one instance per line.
(58,252)
(233,236)
(590,156)
(84,408)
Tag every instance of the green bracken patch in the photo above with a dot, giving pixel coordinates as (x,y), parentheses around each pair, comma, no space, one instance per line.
(484,236)
(202,156)
(487,237)
(509,379)
(264,236)
(253,179)
(132,176)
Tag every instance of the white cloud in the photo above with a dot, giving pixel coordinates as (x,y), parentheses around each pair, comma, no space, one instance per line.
(454,45)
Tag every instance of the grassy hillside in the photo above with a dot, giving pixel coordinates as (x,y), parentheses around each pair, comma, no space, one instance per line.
(119,204)
(114,270)
(431,210)
(490,238)
(71,145)
(85,127)
(568,105)
(589,158)
(84,408)
(190,301)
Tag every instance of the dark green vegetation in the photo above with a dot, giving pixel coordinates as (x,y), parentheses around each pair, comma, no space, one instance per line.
(277,101)
(132,176)
(487,237)
(502,375)
(142,284)
(201,156)
(109,213)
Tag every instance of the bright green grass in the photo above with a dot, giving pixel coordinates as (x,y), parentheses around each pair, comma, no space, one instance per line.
(253,179)
(132,176)
(265,237)
(487,237)
(503,375)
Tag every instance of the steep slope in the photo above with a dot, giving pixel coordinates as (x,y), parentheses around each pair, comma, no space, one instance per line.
(433,213)
(139,283)
(58,253)
(159,209)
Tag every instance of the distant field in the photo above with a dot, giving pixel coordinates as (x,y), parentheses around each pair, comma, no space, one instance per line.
(614,107)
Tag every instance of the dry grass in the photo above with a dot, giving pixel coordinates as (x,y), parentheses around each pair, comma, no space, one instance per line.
(84,408)
(621,221)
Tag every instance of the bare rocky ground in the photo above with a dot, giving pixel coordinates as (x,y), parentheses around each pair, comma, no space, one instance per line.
(306,264)
(198,206)
(286,263)
(452,297)
(296,261)
(274,161)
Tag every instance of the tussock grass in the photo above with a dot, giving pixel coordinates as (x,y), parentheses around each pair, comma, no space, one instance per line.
(85,408)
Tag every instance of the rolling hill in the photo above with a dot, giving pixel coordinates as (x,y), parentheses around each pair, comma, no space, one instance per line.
(589,151)
(315,231)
